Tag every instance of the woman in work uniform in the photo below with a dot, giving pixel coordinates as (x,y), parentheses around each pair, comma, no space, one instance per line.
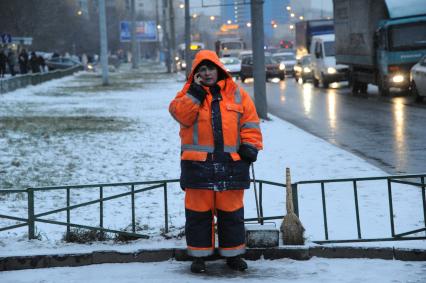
(220,137)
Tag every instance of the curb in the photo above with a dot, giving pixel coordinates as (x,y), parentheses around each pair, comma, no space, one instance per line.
(143,255)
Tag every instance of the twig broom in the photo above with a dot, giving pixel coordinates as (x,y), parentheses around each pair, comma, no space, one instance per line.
(291,227)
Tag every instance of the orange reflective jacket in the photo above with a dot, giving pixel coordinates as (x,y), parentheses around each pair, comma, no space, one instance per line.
(240,123)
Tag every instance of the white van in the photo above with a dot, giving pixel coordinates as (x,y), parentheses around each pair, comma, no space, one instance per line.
(325,70)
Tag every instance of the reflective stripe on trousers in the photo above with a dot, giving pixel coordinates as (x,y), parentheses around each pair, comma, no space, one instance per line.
(200,208)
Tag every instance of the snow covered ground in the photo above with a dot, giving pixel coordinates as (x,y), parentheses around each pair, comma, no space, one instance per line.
(284,270)
(74,131)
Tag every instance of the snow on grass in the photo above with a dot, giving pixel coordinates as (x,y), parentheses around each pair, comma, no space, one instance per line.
(75,131)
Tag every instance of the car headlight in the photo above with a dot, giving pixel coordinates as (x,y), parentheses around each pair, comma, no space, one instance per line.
(306,70)
(331,70)
(282,66)
(398,78)
(90,67)
(183,65)
(297,68)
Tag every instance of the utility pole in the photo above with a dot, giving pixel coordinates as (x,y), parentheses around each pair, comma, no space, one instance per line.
(104,42)
(166,41)
(157,23)
(172,35)
(188,60)
(259,73)
(135,55)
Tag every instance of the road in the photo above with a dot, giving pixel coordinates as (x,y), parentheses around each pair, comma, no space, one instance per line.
(388,132)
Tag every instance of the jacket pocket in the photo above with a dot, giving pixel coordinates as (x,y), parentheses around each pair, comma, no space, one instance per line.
(235,107)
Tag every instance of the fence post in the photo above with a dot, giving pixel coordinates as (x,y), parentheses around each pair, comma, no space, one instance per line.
(166,221)
(295,199)
(31,228)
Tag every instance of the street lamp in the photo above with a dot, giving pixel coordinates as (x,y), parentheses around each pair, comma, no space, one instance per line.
(79,12)
(229,22)
(301,18)
(194,15)
(274,25)
(158,26)
(248,24)
(291,27)
(212,18)
(181,5)
(292,15)
(288,8)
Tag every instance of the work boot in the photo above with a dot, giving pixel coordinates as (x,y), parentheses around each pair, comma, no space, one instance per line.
(236,263)
(198,265)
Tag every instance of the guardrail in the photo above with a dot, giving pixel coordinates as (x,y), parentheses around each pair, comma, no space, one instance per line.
(20,81)
(134,188)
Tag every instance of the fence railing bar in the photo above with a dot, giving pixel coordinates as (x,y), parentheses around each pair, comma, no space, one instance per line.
(264,218)
(104,185)
(409,183)
(93,228)
(101,207)
(391,208)
(166,216)
(6,191)
(361,179)
(68,210)
(410,232)
(13,226)
(358,225)
(13,218)
(96,201)
(31,226)
(324,211)
(422,179)
(132,189)
(261,202)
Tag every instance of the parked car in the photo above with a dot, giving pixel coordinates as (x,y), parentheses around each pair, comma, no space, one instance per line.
(232,65)
(303,69)
(61,63)
(418,79)
(273,68)
(324,67)
(289,60)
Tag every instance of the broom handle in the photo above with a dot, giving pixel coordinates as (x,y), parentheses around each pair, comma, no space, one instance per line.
(289,193)
(255,192)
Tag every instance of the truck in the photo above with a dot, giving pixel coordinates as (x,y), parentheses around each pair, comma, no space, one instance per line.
(230,47)
(305,30)
(380,40)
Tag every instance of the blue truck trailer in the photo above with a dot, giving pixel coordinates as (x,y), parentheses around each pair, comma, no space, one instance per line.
(305,30)
(380,40)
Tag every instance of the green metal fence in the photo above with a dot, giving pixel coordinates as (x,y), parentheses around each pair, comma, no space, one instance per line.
(134,188)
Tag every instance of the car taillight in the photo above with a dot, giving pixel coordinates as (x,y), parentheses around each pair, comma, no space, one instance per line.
(393,68)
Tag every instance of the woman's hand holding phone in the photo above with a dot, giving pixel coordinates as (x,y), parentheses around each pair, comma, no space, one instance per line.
(198,79)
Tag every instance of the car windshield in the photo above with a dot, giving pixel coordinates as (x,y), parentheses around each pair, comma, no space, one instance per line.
(232,45)
(408,36)
(329,48)
(269,60)
(306,60)
(289,57)
(228,60)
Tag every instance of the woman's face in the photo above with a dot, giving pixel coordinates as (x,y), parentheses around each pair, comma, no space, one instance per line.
(208,74)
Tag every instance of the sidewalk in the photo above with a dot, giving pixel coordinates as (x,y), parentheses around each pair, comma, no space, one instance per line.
(74,131)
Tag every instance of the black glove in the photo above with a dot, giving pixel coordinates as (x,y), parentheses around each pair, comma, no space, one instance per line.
(248,152)
(197,91)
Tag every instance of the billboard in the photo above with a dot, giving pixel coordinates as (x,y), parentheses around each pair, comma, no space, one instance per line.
(145,31)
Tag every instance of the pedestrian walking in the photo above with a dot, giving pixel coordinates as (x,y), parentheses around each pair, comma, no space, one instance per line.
(3,61)
(34,63)
(220,138)
(11,61)
(41,63)
(23,61)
